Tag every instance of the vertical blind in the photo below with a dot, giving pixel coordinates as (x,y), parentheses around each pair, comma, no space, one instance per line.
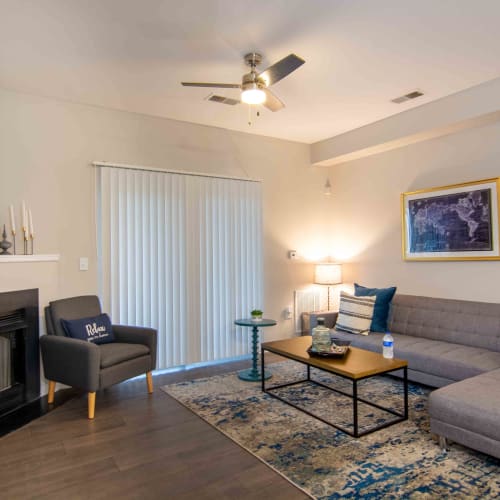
(182,254)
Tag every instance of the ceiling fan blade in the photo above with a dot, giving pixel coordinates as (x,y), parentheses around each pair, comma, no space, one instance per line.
(212,85)
(281,69)
(272,102)
(223,100)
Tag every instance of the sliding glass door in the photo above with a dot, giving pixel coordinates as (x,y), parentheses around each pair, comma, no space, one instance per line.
(183,254)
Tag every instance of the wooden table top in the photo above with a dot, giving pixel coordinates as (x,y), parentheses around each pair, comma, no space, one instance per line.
(356,364)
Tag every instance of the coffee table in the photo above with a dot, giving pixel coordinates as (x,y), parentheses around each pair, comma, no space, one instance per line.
(356,365)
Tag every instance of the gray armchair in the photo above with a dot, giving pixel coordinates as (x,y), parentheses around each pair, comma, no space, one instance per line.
(90,366)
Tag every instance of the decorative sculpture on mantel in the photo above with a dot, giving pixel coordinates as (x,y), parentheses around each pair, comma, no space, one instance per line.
(4,244)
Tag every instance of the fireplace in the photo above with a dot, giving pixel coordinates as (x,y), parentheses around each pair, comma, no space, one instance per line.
(19,350)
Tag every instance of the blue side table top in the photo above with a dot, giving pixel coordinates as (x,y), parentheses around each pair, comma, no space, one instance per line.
(254,322)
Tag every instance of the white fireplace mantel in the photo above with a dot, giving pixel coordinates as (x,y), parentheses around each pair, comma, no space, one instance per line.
(30,258)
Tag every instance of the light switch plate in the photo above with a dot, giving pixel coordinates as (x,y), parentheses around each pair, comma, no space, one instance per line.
(84,263)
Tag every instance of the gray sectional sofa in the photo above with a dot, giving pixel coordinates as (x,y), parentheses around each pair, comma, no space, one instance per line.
(453,345)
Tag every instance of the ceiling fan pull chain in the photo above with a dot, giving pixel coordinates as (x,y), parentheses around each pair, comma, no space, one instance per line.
(249,115)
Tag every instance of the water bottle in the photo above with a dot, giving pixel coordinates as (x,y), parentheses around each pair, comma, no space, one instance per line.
(388,346)
(321,336)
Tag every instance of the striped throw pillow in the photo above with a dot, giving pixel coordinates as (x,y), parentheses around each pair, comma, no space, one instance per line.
(355,314)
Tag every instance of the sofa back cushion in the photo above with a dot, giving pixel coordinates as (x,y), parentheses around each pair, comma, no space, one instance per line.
(463,322)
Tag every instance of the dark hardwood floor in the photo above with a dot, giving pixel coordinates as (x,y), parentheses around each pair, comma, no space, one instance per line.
(139,446)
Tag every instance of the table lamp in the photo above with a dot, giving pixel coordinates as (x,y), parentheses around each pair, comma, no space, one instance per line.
(328,273)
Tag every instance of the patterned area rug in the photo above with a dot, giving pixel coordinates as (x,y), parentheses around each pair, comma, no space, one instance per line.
(401,461)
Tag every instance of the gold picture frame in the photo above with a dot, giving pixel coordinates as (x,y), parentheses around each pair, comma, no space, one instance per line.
(455,222)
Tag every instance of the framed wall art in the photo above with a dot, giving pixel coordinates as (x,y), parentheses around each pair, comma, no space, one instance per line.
(457,222)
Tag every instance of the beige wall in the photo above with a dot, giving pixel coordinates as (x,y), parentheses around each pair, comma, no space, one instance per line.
(367,215)
(46,147)
(45,150)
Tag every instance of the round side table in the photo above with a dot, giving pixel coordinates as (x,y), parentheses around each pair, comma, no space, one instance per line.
(253,374)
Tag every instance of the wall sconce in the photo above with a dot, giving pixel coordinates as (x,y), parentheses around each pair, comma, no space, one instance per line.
(328,274)
(327,190)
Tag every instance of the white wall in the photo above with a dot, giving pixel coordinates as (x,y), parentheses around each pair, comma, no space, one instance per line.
(367,214)
(46,147)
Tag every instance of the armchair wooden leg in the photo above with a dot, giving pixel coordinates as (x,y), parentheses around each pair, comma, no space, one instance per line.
(91,404)
(52,390)
(149,378)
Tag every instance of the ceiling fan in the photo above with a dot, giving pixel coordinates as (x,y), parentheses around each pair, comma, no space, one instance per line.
(254,86)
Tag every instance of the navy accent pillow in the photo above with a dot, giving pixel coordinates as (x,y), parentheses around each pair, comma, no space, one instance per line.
(96,329)
(382,304)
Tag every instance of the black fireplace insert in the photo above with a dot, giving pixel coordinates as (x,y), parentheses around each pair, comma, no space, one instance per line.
(19,349)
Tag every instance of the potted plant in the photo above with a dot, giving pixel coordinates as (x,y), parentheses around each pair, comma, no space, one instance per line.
(256,315)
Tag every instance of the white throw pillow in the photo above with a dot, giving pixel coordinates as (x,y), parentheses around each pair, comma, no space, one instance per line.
(355,314)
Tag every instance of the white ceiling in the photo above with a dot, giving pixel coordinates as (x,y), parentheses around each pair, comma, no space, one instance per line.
(131,55)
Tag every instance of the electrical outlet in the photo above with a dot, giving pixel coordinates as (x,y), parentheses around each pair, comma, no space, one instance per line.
(84,263)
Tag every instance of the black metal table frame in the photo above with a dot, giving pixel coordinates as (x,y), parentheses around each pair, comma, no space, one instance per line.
(354,396)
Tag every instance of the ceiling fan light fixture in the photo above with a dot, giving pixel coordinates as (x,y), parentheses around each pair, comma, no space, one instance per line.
(254,85)
(252,94)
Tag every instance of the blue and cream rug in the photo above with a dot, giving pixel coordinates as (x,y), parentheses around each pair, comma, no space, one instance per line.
(401,461)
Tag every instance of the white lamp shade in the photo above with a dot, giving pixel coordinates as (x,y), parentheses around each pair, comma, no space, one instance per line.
(328,274)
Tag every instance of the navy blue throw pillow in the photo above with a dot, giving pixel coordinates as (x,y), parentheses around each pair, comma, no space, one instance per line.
(96,329)
(382,304)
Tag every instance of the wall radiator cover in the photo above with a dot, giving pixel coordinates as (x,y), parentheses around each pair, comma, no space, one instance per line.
(306,301)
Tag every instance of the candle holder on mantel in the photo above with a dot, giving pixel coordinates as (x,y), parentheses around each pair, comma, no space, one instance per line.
(32,238)
(4,244)
(13,232)
(25,240)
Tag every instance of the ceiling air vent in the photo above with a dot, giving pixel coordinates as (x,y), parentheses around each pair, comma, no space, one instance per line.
(407,97)
(223,100)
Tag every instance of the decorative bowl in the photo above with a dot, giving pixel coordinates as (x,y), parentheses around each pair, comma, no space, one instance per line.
(340,342)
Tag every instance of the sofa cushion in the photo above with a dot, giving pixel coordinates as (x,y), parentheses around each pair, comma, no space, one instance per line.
(118,352)
(382,303)
(96,329)
(464,322)
(355,314)
(473,404)
(441,359)
(444,359)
